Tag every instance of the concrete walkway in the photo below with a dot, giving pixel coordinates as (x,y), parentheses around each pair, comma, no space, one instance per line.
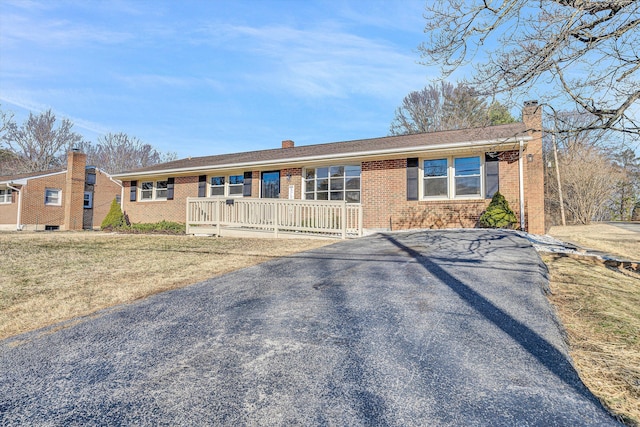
(404,329)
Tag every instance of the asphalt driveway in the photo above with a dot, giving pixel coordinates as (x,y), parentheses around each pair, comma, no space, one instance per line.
(407,329)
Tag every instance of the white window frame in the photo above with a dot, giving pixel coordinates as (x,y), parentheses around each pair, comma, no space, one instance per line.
(47,198)
(339,181)
(88,201)
(479,175)
(156,192)
(6,196)
(446,178)
(227,187)
(451,178)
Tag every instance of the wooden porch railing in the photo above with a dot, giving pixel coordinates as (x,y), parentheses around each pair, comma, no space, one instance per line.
(208,215)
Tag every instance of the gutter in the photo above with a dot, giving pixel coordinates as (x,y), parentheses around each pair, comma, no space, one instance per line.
(521,182)
(19,227)
(346,156)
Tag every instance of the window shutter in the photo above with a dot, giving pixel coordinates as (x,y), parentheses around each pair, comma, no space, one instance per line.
(170,183)
(412,178)
(202,186)
(492,175)
(246,188)
(134,191)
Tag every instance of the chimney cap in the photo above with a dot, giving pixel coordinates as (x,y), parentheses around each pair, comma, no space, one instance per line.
(532,103)
(75,149)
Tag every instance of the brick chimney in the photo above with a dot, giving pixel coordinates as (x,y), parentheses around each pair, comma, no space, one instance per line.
(534,169)
(74,190)
(287,143)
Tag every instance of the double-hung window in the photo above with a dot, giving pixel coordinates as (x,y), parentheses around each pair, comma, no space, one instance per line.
(52,197)
(5,196)
(231,185)
(333,183)
(236,183)
(217,185)
(467,176)
(436,178)
(452,177)
(150,190)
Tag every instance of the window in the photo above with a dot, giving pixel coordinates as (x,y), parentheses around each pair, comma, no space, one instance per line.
(217,185)
(52,197)
(456,177)
(236,182)
(435,178)
(146,190)
(91,178)
(150,190)
(467,176)
(333,183)
(5,196)
(161,189)
(226,186)
(88,199)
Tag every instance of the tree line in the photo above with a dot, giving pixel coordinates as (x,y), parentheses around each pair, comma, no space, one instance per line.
(41,143)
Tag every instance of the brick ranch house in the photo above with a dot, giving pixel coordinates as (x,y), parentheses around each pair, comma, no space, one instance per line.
(75,198)
(431,180)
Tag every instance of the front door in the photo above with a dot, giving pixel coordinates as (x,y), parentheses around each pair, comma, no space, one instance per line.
(271,185)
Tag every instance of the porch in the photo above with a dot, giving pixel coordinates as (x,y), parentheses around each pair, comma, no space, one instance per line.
(312,217)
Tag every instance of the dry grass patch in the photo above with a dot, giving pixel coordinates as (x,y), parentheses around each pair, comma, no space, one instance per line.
(50,277)
(600,311)
(604,237)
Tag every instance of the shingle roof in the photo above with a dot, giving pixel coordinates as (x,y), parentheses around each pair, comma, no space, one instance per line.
(8,178)
(490,133)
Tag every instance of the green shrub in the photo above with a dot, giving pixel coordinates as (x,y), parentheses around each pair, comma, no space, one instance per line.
(498,214)
(114,219)
(165,227)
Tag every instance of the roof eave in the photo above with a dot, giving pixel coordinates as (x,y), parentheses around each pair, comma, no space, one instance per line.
(296,160)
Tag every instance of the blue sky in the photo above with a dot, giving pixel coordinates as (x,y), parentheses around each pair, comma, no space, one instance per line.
(208,77)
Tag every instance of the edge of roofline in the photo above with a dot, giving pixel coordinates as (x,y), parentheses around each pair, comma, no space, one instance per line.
(293,160)
(23,181)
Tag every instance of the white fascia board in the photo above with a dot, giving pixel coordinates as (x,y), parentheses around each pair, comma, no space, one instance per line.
(23,181)
(346,156)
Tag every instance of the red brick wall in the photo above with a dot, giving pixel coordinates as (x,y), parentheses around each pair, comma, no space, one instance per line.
(295,179)
(168,210)
(385,204)
(104,192)
(35,214)
(74,189)
(534,171)
(9,213)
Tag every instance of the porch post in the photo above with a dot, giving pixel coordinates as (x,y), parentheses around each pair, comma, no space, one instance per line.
(344,219)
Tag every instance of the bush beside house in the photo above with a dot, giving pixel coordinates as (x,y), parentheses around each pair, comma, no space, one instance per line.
(498,214)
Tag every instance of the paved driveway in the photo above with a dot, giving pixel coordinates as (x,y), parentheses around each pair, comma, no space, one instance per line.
(406,329)
(630,226)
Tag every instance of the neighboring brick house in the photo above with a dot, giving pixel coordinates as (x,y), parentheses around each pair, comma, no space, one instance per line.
(431,180)
(76,198)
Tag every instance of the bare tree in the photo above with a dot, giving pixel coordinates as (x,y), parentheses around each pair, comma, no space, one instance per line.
(38,145)
(119,152)
(584,51)
(626,191)
(587,177)
(443,106)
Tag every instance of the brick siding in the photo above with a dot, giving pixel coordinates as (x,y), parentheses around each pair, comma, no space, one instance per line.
(161,210)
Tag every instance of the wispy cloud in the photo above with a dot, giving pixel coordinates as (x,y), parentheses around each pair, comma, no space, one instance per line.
(44,31)
(325,61)
(27,104)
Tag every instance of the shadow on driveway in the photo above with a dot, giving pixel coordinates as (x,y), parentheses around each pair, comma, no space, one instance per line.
(399,329)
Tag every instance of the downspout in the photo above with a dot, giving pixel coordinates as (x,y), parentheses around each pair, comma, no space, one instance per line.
(521,179)
(18,226)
